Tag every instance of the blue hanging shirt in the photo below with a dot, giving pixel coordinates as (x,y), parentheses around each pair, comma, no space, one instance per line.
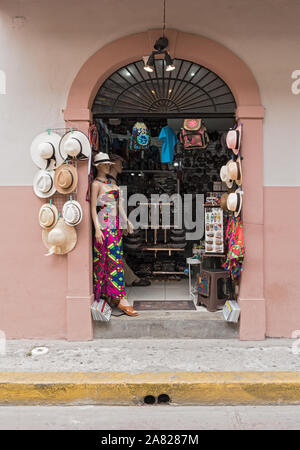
(169,139)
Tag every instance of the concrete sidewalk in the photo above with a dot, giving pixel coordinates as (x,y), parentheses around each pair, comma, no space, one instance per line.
(146,355)
(126,372)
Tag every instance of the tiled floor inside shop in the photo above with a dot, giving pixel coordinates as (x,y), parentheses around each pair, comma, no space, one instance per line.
(162,290)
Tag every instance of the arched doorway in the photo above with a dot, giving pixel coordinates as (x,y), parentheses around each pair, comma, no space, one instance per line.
(237,76)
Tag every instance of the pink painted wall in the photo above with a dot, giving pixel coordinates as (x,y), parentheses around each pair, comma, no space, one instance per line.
(32,286)
(282,260)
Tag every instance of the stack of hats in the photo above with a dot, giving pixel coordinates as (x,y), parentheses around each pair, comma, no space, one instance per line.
(231,173)
(51,153)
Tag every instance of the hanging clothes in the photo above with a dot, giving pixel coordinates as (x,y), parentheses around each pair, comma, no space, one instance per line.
(108,276)
(236,247)
(169,139)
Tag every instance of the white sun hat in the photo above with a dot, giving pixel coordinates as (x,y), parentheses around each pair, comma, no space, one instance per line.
(224,175)
(61,239)
(43,183)
(74,144)
(45,151)
(235,201)
(101,158)
(48,216)
(72,213)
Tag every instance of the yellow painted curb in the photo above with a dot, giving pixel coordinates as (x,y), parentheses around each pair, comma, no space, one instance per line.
(122,388)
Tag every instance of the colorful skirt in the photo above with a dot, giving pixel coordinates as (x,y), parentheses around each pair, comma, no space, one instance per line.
(108,267)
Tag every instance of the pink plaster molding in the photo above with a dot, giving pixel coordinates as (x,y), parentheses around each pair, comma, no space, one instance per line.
(241,81)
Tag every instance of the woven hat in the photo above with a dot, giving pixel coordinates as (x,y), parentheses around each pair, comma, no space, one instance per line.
(101,158)
(43,183)
(235,201)
(235,171)
(45,151)
(224,175)
(74,144)
(61,239)
(234,138)
(48,216)
(66,178)
(72,213)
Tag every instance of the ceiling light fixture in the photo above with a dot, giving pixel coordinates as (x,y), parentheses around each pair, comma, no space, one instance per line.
(160,49)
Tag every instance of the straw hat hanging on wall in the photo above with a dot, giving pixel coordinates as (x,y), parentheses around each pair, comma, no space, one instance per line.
(72,213)
(65,178)
(45,151)
(74,144)
(43,183)
(61,239)
(48,216)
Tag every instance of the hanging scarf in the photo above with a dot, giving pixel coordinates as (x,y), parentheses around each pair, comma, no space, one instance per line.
(236,248)
(94,142)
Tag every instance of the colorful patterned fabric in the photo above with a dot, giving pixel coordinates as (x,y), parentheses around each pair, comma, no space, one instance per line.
(107,257)
(140,138)
(203,284)
(236,247)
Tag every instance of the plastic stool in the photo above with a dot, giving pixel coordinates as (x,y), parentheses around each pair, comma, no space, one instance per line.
(212,301)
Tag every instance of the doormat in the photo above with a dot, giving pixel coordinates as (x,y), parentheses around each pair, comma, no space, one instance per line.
(154,305)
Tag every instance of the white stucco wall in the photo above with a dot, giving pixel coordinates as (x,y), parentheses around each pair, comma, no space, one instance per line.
(41,57)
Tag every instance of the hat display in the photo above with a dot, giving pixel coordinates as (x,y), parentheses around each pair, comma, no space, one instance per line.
(234,202)
(224,175)
(74,144)
(61,239)
(101,158)
(72,213)
(65,178)
(43,183)
(233,139)
(48,216)
(45,151)
(235,171)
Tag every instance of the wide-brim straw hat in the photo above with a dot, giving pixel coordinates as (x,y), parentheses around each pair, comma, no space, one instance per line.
(101,158)
(48,216)
(75,144)
(235,171)
(224,175)
(45,151)
(72,213)
(235,201)
(43,183)
(61,239)
(66,178)
(234,138)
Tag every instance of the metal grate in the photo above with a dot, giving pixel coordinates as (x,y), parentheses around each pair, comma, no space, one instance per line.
(190,88)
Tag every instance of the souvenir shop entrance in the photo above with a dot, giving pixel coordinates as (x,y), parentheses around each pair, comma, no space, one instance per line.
(115,95)
(169,130)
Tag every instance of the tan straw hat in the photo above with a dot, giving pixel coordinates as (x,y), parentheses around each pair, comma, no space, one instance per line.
(61,239)
(48,216)
(224,175)
(65,178)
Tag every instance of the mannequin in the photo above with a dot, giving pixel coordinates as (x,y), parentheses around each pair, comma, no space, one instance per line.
(108,274)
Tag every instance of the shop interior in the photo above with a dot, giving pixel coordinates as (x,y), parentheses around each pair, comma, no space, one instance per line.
(161,253)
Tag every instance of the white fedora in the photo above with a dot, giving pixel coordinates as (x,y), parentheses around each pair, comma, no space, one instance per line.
(48,216)
(101,158)
(74,144)
(235,201)
(72,213)
(234,139)
(224,175)
(45,151)
(235,171)
(43,183)
(61,239)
